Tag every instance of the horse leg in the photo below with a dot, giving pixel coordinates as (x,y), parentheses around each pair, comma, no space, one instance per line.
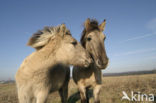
(41,96)
(82,90)
(23,97)
(64,90)
(33,100)
(96,92)
(87,95)
(63,94)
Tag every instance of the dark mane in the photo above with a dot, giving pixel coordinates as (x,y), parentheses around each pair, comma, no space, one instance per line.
(94,25)
(41,37)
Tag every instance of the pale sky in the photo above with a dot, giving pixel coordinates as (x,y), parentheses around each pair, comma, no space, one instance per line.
(130,30)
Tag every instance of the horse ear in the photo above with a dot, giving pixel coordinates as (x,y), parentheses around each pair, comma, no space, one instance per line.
(102,25)
(62,29)
(87,24)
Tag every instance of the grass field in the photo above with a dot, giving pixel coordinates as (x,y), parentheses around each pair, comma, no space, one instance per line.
(111,91)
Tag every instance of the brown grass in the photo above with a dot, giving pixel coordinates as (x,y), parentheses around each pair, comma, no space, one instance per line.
(111,91)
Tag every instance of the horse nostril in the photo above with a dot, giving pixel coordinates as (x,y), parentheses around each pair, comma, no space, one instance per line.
(90,60)
(86,63)
(98,61)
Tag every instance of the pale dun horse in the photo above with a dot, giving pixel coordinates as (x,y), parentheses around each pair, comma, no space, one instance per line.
(47,69)
(93,41)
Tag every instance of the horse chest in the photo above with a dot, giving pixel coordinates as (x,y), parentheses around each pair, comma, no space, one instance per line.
(57,81)
(56,86)
(57,77)
(93,80)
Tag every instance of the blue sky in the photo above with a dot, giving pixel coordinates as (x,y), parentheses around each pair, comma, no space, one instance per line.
(130,29)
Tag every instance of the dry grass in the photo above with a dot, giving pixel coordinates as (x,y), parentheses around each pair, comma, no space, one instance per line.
(111,91)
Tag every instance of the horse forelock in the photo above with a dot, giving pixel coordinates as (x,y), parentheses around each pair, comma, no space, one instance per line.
(94,25)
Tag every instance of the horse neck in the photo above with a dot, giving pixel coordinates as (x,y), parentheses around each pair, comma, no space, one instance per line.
(97,73)
(48,53)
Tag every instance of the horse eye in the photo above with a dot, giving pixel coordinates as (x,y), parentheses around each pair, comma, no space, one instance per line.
(88,38)
(74,43)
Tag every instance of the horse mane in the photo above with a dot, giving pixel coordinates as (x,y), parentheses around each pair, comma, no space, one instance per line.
(42,37)
(94,25)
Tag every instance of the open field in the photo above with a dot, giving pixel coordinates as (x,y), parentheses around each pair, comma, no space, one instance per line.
(111,91)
